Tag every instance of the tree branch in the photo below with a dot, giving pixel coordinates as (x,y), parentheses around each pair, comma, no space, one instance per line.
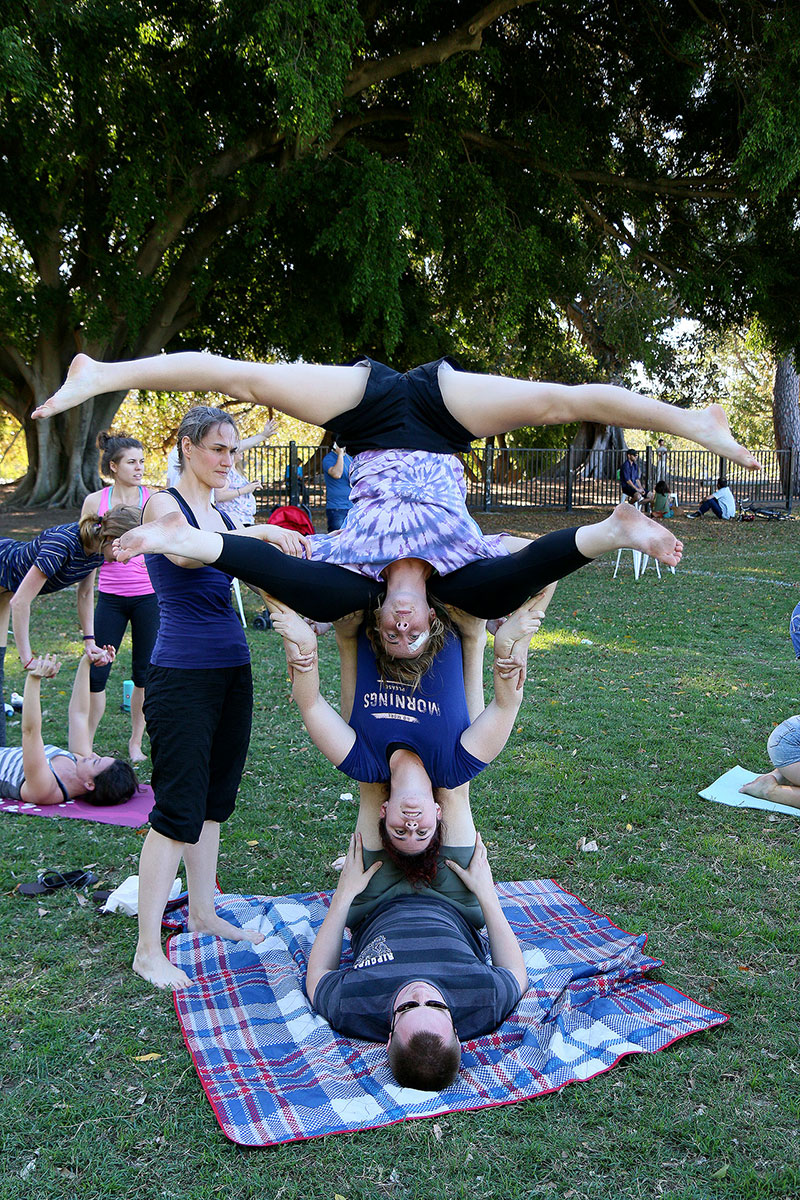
(468,36)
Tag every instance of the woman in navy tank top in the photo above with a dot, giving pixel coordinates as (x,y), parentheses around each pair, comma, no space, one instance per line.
(198,703)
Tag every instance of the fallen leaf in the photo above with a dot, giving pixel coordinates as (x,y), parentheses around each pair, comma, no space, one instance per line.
(721,1173)
(437,1132)
(43,911)
(585,845)
(629,828)
(252,843)
(146,1057)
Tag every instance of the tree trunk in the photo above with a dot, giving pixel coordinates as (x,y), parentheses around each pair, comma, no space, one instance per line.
(62,453)
(786,416)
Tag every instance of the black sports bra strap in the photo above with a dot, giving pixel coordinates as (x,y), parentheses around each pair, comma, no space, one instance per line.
(191,518)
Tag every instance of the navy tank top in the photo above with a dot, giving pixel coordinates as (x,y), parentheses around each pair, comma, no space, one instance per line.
(198,626)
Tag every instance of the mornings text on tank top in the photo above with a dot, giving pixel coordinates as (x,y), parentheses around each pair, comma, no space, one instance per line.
(124,579)
(198,627)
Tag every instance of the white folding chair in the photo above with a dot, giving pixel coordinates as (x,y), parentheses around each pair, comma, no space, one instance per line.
(237,591)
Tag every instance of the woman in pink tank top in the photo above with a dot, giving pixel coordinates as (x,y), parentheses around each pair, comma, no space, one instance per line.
(125,594)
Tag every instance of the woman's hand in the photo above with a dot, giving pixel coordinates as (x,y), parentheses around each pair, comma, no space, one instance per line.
(46,666)
(100,656)
(299,638)
(287,540)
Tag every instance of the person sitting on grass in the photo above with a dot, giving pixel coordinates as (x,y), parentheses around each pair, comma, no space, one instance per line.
(661,509)
(782,784)
(36,773)
(721,503)
(420,979)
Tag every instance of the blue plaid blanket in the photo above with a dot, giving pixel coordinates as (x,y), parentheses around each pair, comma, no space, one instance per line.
(275,1072)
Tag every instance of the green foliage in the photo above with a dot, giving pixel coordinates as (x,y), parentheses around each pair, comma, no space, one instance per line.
(683,678)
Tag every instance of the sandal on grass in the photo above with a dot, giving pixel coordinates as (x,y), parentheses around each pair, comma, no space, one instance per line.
(51,881)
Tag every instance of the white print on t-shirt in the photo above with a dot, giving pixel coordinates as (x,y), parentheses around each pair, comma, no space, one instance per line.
(397,701)
(376,952)
(394,717)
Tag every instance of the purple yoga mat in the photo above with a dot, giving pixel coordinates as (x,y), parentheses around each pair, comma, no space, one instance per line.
(133,813)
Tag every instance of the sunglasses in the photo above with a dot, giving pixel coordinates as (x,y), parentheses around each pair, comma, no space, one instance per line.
(409,1004)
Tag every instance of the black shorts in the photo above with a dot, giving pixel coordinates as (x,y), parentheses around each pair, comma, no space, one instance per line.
(402,412)
(199,726)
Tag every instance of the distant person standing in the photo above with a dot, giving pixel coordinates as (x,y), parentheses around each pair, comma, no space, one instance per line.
(794,630)
(336,464)
(237,498)
(662,454)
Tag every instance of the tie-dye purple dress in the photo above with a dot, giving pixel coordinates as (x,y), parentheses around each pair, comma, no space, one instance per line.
(406,504)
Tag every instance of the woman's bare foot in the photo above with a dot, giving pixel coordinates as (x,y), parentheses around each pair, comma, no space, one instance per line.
(218,927)
(168,535)
(156,968)
(135,752)
(520,627)
(627,527)
(763,787)
(82,382)
(713,431)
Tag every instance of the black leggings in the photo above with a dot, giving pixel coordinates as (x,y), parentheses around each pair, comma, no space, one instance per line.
(489,587)
(112,615)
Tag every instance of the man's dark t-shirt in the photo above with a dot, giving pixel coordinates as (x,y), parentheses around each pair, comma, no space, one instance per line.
(408,939)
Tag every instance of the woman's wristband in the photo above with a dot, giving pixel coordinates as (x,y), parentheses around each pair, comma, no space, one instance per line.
(88,637)
(28,663)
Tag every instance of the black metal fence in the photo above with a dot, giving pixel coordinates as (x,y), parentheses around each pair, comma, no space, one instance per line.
(518,478)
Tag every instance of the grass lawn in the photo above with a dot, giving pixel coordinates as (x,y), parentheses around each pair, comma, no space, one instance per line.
(639,694)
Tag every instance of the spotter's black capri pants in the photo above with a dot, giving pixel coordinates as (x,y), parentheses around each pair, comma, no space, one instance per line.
(199,726)
(490,587)
(112,615)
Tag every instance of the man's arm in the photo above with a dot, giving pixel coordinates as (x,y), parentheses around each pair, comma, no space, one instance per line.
(327,949)
(21,602)
(336,469)
(503,944)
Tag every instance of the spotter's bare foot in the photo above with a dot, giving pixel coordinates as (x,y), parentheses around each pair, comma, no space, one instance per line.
(156,968)
(631,528)
(82,382)
(135,753)
(762,788)
(218,927)
(713,431)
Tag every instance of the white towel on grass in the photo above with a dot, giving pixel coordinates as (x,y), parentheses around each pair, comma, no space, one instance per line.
(725,790)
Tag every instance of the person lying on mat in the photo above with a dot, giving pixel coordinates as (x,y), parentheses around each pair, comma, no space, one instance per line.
(419,979)
(36,773)
(404,430)
(782,784)
(416,738)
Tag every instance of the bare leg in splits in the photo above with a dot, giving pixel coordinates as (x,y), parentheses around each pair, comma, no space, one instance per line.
(484,404)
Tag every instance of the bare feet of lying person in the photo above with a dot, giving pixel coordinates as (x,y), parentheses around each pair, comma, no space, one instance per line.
(774,787)
(155,968)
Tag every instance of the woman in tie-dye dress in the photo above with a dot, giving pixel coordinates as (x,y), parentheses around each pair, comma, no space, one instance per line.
(432,410)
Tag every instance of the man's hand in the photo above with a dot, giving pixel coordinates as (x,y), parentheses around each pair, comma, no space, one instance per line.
(354,878)
(478,875)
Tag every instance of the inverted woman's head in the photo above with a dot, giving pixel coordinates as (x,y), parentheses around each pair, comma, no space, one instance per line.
(411,826)
(405,644)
